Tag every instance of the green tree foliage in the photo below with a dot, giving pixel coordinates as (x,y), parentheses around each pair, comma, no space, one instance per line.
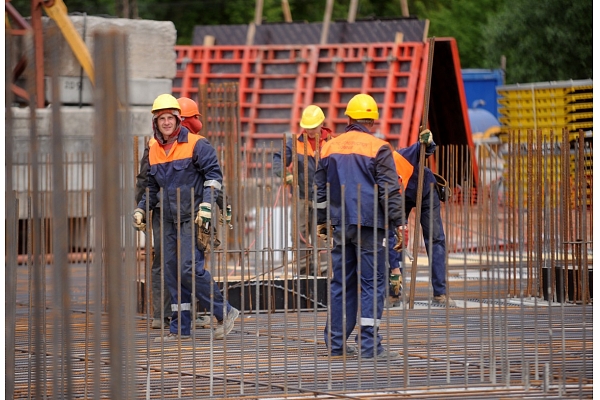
(463,20)
(547,40)
(90,7)
(542,40)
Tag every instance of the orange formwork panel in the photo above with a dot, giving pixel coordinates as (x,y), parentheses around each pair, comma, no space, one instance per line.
(277,81)
(198,65)
(386,71)
(271,97)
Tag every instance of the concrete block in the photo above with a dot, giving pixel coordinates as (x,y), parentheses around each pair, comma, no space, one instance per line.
(140,91)
(150,46)
(143,91)
(77,126)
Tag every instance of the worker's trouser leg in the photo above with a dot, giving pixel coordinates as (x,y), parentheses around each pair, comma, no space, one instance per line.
(431,223)
(207,291)
(158,282)
(205,286)
(352,263)
(305,241)
(179,307)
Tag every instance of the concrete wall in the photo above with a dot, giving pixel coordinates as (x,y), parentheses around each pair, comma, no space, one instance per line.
(151,68)
(77,127)
(151,58)
(78,130)
(150,45)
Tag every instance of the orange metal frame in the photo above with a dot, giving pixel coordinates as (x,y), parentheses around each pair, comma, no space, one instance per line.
(277,82)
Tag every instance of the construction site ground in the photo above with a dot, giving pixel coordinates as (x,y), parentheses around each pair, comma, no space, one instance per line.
(485,347)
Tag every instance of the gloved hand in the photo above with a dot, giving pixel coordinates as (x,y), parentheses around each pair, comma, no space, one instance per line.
(325,235)
(289,178)
(226,216)
(204,242)
(426,137)
(401,237)
(395,285)
(139,218)
(204,215)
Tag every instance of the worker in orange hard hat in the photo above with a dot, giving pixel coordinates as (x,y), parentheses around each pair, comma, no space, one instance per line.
(190,115)
(308,145)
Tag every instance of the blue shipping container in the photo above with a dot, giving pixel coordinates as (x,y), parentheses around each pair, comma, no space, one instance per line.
(480,84)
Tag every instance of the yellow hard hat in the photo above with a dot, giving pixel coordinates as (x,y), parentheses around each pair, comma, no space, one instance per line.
(312,116)
(165,102)
(362,106)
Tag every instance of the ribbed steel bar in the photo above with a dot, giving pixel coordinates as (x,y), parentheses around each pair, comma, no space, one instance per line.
(510,339)
(291,364)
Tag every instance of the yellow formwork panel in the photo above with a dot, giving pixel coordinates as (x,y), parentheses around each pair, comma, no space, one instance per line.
(527,102)
(520,168)
(528,93)
(580,125)
(545,122)
(558,111)
(507,133)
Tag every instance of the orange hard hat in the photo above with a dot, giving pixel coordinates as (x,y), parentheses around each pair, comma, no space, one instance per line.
(189,108)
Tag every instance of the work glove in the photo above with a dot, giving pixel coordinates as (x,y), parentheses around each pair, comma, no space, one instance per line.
(395,285)
(204,242)
(139,219)
(401,237)
(289,178)
(226,216)
(426,137)
(325,235)
(204,215)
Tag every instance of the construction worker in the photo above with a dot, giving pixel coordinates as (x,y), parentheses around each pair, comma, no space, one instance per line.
(308,145)
(358,171)
(179,162)
(403,168)
(190,117)
(407,164)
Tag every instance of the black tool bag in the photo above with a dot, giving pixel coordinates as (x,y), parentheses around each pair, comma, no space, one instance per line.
(442,187)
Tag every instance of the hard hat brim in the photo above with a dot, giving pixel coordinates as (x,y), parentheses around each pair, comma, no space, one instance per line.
(309,126)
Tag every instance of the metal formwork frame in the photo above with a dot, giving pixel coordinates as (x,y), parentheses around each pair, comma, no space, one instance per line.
(325,75)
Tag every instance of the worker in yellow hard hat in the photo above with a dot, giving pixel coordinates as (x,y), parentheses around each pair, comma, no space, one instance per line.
(161,299)
(308,144)
(185,169)
(190,119)
(358,198)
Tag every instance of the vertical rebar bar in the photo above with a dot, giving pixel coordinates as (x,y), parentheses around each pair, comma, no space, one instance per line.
(112,147)
(62,362)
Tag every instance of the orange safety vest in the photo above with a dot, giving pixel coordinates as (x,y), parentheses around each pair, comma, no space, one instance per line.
(404,169)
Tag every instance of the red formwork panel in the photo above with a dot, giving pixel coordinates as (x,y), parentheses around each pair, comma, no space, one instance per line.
(387,71)
(271,91)
(198,65)
(277,81)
